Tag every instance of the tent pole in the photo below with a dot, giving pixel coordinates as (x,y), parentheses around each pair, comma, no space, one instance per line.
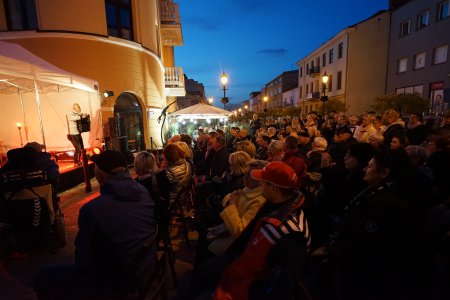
(38,101)
(24,118)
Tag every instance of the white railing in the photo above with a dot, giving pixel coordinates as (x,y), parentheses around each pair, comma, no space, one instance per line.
(174,77)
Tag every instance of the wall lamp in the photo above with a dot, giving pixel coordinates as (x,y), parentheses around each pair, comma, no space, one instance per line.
(107,94)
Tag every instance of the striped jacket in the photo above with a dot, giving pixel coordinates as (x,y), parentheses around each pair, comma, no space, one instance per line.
(252,264)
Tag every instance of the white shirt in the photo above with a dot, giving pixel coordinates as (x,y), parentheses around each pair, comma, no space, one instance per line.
(72,119)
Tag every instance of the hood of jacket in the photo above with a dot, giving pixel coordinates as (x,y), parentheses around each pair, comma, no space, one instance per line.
(123,188)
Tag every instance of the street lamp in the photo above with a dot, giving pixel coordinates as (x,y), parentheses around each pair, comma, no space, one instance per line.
(265,98)
(19,126)
(224,81)
(210,100)
(246,108)
(240,111)
(324,97)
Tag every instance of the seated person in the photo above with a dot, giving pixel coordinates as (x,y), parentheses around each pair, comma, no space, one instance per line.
(267,258)
(113,227)
(240,207)
(31,157)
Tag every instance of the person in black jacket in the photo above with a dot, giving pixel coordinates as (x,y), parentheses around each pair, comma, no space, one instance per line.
(380,251)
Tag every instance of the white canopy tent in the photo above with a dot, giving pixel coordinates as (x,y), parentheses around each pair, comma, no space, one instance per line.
(201,111)
(38,95)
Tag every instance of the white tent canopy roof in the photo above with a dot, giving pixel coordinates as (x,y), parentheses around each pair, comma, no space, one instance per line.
(38,95)
(201,111)
(19,68)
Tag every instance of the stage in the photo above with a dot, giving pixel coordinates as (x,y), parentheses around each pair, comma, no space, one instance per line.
(72,175)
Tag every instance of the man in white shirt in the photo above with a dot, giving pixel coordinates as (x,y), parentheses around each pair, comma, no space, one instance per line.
(365,130)
(74,135)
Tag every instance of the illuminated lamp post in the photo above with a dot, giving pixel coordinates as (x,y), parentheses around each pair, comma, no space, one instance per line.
(19,126)
(224,81)
(265,103)
(324,97)
(210,100)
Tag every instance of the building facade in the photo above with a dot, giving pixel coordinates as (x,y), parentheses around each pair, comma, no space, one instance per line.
(126,45)
(355,62)
(418,54)
(255,102)
(290,97)
(276,87)
(195,94)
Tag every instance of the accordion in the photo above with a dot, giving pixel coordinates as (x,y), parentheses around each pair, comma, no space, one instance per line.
(84,124)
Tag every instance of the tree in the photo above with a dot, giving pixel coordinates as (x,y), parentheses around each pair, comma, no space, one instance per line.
(336,105)
(403,103)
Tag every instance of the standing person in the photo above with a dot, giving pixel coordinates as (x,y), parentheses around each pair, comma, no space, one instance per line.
(74,135)
(113,227)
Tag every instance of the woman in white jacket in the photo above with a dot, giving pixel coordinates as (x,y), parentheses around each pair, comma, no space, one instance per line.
(240,207)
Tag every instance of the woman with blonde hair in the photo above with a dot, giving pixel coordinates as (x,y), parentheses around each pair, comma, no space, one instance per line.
(247,147)
(186,151)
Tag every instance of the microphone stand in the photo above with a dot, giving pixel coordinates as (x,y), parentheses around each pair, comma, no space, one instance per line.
(164,114)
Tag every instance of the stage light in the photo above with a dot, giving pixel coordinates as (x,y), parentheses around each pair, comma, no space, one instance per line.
(96,151)
(107,94)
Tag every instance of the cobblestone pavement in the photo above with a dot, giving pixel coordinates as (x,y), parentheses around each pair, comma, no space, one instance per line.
(16,275)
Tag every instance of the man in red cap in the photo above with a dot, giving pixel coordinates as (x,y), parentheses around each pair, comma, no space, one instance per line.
(272,262)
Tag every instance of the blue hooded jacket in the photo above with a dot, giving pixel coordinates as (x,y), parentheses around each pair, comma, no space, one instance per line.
(113,227)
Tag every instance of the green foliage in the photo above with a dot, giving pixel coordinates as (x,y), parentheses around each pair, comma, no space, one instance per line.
(336,105)
(403,103)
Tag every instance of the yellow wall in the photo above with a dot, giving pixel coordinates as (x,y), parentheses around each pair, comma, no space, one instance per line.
(115,67)
(168,56)
(367,63)
(80,15)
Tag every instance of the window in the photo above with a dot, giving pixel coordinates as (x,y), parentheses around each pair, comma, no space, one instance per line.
(404,28)
(301,92)
(416,89)
(307,88)
(312,87)
(21,14)
(422,19)
(340,50)
(331,58)
(402,65)
(307,69)
(339,80)
(324,60)
(118,17)
(443,11)
(440,55)
(301,72)
(318,62)
(330,83)
(419,61)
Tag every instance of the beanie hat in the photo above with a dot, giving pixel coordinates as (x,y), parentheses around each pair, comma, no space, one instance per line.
(109,160)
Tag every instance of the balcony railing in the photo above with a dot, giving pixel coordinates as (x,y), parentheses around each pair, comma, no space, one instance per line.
(313,71)
(315,95)
(174,77)
(169,12)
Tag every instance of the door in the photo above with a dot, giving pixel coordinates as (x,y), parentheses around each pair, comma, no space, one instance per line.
(129,124)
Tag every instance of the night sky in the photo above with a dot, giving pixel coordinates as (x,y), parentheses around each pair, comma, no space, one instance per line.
(256,40)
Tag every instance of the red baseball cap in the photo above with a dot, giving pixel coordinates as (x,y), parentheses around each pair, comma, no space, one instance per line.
(277,173)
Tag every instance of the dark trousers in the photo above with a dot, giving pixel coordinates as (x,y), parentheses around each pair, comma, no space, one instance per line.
(67,282)
(77,143)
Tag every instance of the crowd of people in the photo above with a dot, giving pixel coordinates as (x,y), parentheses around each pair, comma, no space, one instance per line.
(340,207)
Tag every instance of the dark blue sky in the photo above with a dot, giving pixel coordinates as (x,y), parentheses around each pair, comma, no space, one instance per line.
(256,40)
